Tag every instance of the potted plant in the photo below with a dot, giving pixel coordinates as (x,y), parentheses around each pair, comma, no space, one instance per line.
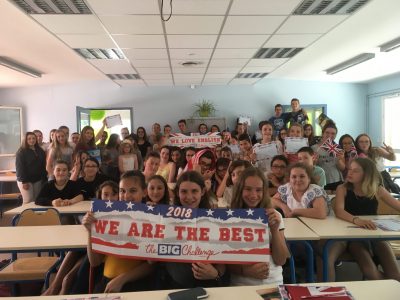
(205,108)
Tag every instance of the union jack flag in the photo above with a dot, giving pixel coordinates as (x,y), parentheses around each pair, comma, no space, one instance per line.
(331,147)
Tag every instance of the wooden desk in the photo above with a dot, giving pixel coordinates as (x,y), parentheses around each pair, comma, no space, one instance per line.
(333,229)
(8,177)
(79,208)
(33,238)
(297,232)
(361,290)
(8,183)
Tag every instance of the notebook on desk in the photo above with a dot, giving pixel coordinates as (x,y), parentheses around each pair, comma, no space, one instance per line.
(297,292)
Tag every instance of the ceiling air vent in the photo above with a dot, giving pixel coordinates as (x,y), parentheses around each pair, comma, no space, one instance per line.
(123,76)
(329,7)
(191,63)
(251,75)
(57,7)
(95,53)
(277,52)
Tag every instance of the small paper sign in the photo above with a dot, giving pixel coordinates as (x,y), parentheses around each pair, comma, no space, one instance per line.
(210,140)
(114,120)
(292,145)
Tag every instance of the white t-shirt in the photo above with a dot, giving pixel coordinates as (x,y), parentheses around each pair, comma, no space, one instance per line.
(275,272)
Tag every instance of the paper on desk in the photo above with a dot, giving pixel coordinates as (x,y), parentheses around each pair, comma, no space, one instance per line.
(388,224)
(114,120)
(96,298)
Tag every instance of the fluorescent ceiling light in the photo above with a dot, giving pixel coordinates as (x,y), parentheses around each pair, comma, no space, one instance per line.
(350,63)
(6,62)
(391,45)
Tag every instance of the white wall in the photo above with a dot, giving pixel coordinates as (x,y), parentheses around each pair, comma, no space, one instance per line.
(48,107)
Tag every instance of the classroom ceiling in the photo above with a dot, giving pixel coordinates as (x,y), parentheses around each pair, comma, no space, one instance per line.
(204,42)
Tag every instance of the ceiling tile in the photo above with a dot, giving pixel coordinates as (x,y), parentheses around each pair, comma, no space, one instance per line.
(245,81)
(241,41)
(310,24)
(191,41)
(188,82)
(151,63)
(220,70)
(216,82)
(291,40)
(257,69)
(219,76)
(240,62)
(113,66)
(159,82)
(133,24)
(130,82)
(252,24)
(194,25)
(263,7)
(140,41)
(145,53)
(142,70)
(121,7)
(234,53)
(196,7)
(267,62)
(74,24)
(189,70)
(156,76)
(87,40)
(188,76)
(190,53)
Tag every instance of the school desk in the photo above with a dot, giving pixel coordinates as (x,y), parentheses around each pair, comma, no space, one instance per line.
(297,232)
(361,290)
(79,208)
(333,229)
(42,238)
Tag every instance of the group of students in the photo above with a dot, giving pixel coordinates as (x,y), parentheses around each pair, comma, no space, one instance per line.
(293,184)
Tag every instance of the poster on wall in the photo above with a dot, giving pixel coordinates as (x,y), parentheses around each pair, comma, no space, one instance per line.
(10,130)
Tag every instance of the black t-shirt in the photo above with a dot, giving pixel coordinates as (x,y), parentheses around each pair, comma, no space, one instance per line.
(360,205)
(88,189)
(143,148)
(49,192)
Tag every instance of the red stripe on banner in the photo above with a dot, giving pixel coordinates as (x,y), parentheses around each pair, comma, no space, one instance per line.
(109,244)
(263,251)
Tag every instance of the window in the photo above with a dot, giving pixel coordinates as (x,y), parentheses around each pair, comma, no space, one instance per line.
(313,112)
(391,136)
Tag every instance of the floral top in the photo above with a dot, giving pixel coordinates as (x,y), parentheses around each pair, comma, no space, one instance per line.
(313,191)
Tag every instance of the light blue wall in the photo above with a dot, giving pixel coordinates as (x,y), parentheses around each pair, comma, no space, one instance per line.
(48,107)
(377,90)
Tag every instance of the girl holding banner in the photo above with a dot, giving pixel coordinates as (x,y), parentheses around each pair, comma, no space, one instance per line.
(252,192)
(121,274)
(190,191)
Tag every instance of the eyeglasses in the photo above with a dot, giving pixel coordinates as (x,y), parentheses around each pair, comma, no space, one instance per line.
(90,166)
(279,167)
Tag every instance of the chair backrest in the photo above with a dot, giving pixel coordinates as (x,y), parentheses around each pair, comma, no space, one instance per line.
(38,217)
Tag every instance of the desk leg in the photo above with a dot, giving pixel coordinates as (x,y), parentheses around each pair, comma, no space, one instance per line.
(310,261)
(291,264)
(325,260)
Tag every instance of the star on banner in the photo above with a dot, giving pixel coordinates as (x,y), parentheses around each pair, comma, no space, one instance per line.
(129,205)
(210,212)
(249,212)
(149,207)
(229,212)
(109,203)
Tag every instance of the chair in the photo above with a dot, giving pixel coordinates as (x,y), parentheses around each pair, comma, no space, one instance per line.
(32,268)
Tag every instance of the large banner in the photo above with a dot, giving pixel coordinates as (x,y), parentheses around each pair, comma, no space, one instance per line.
(175,233)
(210,140)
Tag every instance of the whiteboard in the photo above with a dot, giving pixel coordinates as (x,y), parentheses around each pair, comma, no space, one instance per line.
(10,130)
